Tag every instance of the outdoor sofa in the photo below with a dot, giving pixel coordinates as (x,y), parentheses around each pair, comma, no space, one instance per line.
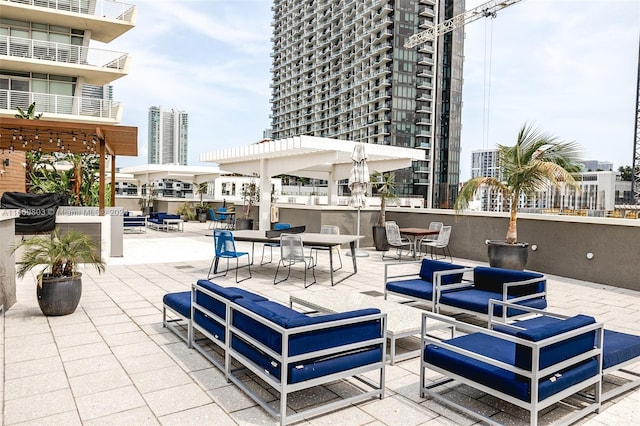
(288,350)
(532,369)
(155,219)
(619,350)
(134,223)
(468,289)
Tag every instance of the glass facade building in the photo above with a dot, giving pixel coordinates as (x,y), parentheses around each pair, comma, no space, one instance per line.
(340,70)
(168,141)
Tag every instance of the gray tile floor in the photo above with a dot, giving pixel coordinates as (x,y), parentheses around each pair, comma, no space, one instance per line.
(112,363)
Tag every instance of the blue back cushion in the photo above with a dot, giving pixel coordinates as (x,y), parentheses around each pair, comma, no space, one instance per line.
(493,279)
(430,266)
(303,342)
(230,293)
(556,352)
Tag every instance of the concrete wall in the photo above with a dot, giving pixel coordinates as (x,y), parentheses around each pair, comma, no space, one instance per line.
(562,241)
(7,259)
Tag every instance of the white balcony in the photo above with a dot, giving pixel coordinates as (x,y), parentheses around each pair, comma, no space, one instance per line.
(72,108)
(96,66)
(106,20)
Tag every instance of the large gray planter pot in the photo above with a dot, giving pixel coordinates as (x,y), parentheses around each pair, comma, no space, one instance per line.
(244,224)
(380,238)
(59,295)
(507,256)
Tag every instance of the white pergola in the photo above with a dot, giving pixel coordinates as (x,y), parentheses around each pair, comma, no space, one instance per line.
(306,156)
(146,173)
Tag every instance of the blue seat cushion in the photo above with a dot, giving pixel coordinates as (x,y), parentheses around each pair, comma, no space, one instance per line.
(560,351)
(478,301)
(419,288)
(493,279)
(179,302)
(310,341)
(229,293)
(312,368)
(428,267)
(498,378)
(617,347)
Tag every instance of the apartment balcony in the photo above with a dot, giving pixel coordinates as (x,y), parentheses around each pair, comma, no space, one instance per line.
(107,20)
(62,108)
(96,66)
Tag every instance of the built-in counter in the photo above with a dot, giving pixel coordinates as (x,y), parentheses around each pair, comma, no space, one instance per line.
(7,259)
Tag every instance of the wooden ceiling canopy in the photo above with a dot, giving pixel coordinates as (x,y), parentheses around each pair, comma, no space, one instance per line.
(18,134)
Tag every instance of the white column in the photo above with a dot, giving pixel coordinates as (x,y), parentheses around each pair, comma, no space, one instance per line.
(265,197)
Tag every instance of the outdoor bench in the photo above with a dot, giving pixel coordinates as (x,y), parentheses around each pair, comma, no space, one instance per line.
(618,349)
(286,349)
(532,369)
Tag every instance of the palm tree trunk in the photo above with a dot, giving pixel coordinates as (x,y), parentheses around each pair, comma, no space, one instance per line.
(512,231)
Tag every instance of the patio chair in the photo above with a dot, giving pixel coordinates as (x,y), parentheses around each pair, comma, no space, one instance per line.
(215,220)
(441,243)
(291,252)
(225,248)
(327,229)
(276,227)
(434,226)
(396,240)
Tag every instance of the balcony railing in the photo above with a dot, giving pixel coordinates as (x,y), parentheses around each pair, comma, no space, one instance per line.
(60,52)
(59,104)
(107,9)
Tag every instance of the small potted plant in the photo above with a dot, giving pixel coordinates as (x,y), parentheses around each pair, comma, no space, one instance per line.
(534,162)
(185,211)
(59,284)
(146,201)
(250,198)
(386,187)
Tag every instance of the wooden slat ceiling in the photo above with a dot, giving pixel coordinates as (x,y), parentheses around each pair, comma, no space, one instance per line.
(67,137)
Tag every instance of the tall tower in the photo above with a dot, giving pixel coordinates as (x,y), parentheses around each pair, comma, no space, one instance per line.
(46,57)
(167,136)
(340,70)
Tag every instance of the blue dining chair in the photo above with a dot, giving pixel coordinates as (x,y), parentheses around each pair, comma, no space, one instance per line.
(225,248)
(215,220)
(278,226)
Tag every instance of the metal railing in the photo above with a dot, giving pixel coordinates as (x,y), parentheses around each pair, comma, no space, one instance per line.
(107,9)
(59,104)
(61,52)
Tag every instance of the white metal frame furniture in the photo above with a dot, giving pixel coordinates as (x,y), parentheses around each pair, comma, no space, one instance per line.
(441,243)
(327,229)
(396,240)
(292,252)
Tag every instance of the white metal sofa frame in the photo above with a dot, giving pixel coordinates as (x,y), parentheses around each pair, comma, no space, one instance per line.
(534,406)
(282,386)
(613,392)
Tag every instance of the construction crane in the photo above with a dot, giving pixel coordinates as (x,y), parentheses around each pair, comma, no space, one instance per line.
(635,165)
(485,10)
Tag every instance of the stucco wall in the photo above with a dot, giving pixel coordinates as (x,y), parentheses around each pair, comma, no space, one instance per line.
(562,241)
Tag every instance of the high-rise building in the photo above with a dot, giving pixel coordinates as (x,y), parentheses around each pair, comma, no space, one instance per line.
(484,162)
(46,59)
(340,70)
(168,136)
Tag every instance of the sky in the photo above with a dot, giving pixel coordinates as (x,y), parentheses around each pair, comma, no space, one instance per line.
(568,67)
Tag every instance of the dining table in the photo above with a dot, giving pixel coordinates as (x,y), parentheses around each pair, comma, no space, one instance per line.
(414,233)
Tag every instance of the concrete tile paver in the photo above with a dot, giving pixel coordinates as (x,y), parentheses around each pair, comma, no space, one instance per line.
(112,362)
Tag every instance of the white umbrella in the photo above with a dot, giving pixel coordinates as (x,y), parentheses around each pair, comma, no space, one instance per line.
(358,181)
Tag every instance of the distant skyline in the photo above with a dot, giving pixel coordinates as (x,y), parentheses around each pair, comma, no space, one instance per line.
(567,66)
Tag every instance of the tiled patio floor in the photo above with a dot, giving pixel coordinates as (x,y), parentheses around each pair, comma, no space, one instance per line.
(112,363)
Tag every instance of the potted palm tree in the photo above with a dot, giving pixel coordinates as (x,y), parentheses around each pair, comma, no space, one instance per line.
(250,198)
(532,164)
(59,284)
(386,186)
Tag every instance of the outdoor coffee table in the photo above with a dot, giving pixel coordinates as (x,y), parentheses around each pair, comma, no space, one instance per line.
(402,320)
(175,224)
